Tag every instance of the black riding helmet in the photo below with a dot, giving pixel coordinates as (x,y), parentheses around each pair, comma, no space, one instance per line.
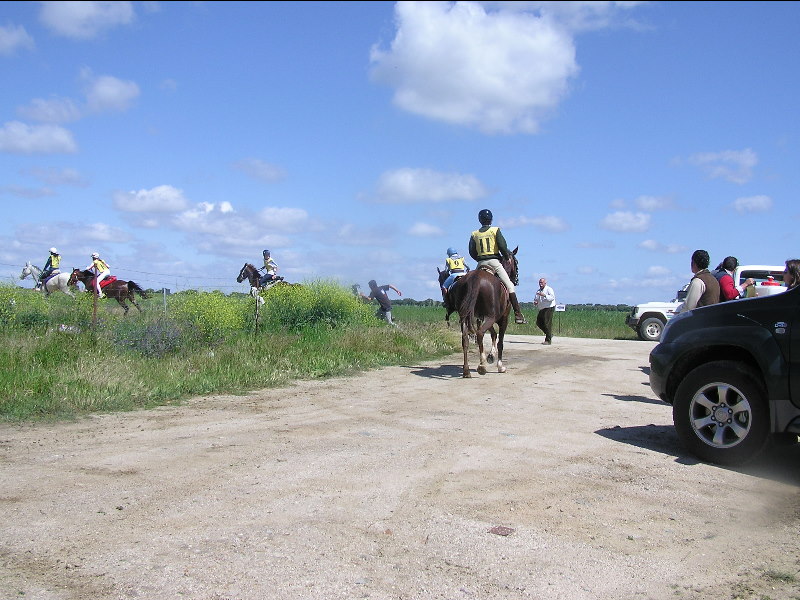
(485,217)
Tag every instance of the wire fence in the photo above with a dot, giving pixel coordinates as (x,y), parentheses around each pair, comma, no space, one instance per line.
(170,281)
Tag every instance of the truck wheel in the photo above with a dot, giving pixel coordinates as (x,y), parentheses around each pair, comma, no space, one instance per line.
(720,413)
(650,329)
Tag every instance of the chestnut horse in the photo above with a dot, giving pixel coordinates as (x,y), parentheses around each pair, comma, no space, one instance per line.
(119,289)
(249,272)
(481,300)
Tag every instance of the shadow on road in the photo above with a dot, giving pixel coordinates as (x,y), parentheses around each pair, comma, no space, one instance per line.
(644,399)
(440,372)
(777,463)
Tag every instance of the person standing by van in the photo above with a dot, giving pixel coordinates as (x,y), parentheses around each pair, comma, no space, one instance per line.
(703,287)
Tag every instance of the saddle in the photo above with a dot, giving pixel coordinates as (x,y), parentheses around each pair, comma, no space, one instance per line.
(48,278)
(107,281)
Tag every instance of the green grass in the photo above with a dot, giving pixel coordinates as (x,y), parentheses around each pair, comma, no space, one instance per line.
(600,324)
(60,360)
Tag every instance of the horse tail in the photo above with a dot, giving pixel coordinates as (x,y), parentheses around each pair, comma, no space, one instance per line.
(468,302)
(134,287)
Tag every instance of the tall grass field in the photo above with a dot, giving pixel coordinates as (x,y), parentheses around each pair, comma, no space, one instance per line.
(61,358)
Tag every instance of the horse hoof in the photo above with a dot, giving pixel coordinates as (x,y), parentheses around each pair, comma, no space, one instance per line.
(481,370)
(501,368)
(490,359)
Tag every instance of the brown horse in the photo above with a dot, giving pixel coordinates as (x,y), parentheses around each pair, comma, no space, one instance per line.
(249,272)
(119,289)
(482,301)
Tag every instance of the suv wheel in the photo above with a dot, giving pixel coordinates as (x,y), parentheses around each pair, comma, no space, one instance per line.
(720,413)
(650,329)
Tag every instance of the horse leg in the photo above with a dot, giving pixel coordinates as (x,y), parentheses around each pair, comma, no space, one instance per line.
(493,350)
(465,347)
(502,324)
(486,325)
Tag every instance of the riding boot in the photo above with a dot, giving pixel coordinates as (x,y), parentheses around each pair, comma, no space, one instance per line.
(519,318)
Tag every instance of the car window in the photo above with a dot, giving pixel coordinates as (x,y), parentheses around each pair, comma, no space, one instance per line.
(761,276)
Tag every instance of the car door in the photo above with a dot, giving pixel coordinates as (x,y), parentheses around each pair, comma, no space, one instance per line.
(794,350)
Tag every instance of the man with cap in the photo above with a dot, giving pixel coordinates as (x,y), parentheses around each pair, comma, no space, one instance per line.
(487,246)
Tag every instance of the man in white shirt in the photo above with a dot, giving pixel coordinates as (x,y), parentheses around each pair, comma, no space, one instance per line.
(545,300)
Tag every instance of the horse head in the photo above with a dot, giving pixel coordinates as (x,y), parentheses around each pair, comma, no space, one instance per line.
(243,274)
(75,276)
(512,266)
(442,276)
(30,270)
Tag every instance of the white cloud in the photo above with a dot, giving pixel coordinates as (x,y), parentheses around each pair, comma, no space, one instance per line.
(160,199)
(626,221)
(752,204)
(653,203)
(55,110)
(218,229)
(425,230)
(258,169)
(20,138)
(285,219)
(85,20)
(618,203)
(585,270)
(105,93)
(27,193)
(735,166)
(657,271)
(100,232)
(14,37)
(543,223)
(499,71)
(405,186)
(655,246)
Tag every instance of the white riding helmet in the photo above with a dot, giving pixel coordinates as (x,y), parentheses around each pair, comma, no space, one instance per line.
(95,255)
(53,251)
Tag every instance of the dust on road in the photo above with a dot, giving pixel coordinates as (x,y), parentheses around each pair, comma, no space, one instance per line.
(560,479)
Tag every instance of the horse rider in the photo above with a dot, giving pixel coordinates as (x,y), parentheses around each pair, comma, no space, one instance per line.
(271,270)
(455,266)
(487,246)
(50,267)
(101,270)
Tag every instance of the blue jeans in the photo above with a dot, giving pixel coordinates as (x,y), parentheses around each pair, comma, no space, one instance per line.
(451,279)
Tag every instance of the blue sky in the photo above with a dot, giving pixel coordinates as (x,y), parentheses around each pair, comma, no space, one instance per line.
(359,140)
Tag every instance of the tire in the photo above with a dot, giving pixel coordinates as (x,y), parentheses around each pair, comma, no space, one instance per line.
(650,329)
(721,413)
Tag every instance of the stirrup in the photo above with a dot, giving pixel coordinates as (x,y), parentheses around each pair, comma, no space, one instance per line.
(520,319)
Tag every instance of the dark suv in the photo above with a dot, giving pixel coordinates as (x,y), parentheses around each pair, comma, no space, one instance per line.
(731,372)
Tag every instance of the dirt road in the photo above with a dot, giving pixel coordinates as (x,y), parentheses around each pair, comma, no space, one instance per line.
(561,479)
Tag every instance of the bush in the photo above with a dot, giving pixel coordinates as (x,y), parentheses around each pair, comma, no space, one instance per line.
(317,303)
(212,314)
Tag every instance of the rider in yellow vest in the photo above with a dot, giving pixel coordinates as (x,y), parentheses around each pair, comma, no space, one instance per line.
(51,266)
(487,246)
(456,267)
(272,268)
(100,267)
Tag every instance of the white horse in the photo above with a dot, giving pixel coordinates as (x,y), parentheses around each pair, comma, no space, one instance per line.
(59,283)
